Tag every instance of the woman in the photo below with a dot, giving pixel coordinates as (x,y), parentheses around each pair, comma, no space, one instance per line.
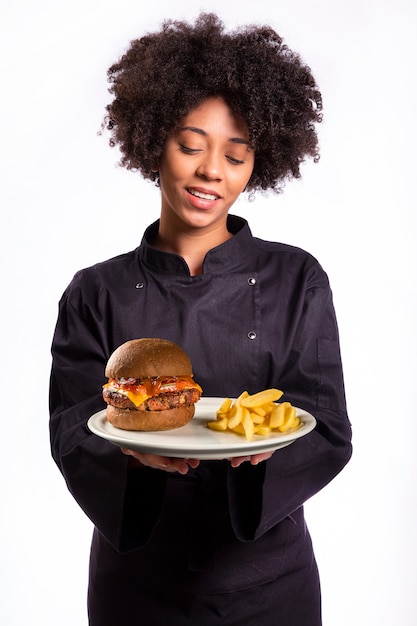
(207,115)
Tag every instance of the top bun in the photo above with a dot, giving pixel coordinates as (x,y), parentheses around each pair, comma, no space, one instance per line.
(146,357)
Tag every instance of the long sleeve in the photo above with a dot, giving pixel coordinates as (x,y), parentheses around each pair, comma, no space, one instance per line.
(96,473)
(312,379)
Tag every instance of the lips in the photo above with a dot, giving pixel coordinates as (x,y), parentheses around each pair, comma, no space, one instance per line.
(203,194)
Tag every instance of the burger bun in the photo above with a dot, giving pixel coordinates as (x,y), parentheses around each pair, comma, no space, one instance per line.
(130,419)
(147,357)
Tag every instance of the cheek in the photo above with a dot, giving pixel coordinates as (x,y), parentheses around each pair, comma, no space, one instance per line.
(242,180)
(249,165)
(173,171)
(167,176)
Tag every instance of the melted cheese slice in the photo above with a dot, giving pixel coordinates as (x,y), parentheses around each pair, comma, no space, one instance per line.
(138,393)
(136,398)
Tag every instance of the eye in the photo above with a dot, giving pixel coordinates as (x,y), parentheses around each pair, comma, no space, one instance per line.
(188,150)
(234,161)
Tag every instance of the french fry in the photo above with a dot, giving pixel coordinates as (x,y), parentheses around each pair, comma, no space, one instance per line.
(262,397)
(239,430)
(235,416)
(219,424)
(263,430)
(258,410)
(277,417)
(257,419)
(290,421)
(247,424)
(225,406)
(256,414)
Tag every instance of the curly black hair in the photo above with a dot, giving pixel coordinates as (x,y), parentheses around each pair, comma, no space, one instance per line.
(164,75)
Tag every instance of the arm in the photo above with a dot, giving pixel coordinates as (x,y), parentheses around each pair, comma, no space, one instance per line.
(312,379)
(123,502)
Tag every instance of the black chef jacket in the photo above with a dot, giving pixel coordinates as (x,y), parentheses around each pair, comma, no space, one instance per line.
(260,315)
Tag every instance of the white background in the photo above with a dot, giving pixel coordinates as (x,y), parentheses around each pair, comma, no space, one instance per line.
(65,204)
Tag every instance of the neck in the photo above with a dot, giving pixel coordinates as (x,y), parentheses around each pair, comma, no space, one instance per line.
(192,244)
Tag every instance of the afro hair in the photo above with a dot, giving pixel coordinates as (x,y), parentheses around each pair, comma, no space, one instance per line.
(164,75)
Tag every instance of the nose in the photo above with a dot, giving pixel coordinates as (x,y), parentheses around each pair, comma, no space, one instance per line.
(210,166)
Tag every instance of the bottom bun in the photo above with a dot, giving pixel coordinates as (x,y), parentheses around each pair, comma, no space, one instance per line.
(130,419)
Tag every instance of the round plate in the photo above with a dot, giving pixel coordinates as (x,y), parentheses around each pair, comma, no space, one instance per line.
(195,439)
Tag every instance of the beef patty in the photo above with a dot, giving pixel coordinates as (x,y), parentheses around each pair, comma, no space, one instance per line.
(162,402)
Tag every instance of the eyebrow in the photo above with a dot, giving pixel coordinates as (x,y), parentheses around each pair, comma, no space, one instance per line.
(202,132)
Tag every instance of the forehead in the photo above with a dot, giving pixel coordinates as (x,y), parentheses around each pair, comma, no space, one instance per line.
(214,116)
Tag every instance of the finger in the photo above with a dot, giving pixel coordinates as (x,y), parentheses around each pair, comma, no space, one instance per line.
(180,465)
(258,458)
(164,463)
(126,451)
(238,460)
(157,462)
(193,462)
(150,460)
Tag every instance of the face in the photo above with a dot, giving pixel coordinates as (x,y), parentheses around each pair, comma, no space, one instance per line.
(205,166)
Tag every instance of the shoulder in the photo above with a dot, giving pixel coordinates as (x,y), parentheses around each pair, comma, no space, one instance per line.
(266,250)
(285,252)
(104,275)
(276,247)
(296,264)
(119,264)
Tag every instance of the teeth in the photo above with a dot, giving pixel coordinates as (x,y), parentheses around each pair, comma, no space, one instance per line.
(204,196)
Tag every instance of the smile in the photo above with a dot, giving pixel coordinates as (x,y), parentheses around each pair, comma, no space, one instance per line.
(204,196)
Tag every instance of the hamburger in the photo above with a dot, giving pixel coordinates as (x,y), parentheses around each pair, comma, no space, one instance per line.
(150,386)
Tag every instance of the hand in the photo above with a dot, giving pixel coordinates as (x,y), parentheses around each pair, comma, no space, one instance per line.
(163,463)
(253,460)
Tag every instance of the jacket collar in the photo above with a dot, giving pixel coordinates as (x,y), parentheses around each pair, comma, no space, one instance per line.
(224,257)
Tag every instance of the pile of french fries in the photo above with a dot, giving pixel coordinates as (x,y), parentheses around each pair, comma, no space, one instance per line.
(255,414)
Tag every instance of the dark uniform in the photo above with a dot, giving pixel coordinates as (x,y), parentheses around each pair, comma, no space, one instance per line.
(220,544)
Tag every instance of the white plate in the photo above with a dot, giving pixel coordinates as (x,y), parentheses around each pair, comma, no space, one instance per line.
(195,439)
